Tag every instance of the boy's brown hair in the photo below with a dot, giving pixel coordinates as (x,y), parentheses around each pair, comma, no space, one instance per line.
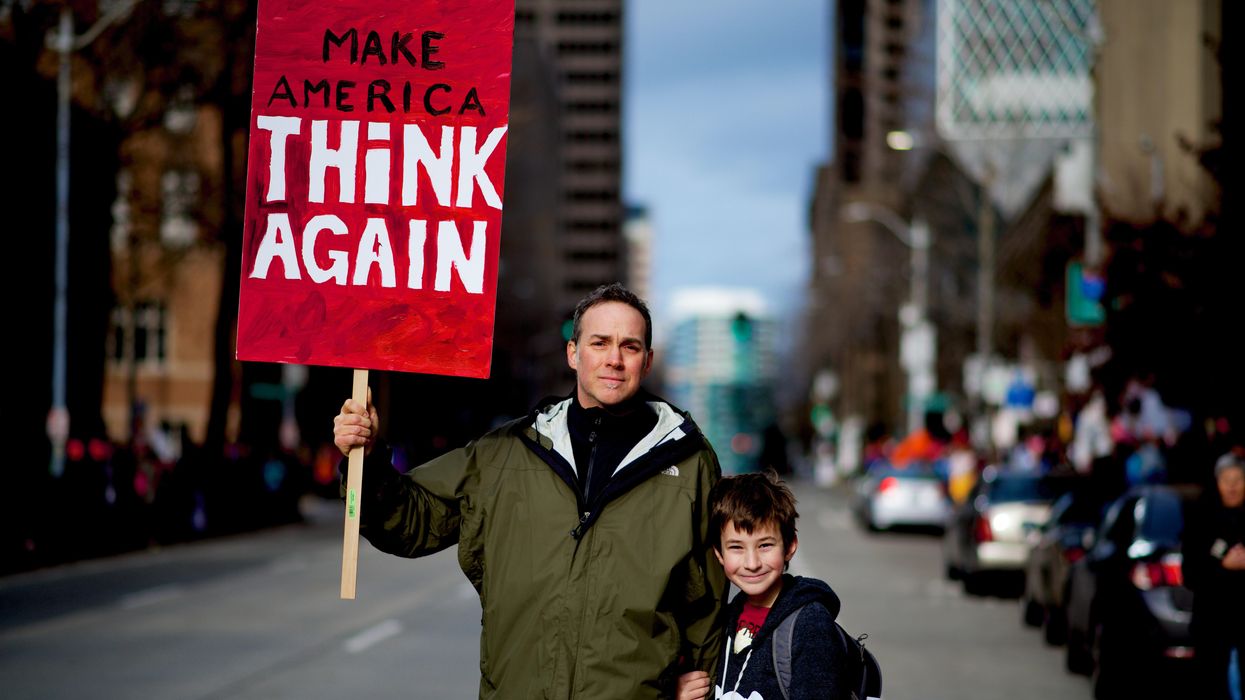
(751,501)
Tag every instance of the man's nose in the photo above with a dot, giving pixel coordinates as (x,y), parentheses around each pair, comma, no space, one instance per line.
(614,355)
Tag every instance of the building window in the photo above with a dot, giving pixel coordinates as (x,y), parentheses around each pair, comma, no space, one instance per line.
(587,47)
(120,233)
(599,77)
(593,166)
(178,228)
(180,8)
(592,136)
(587,17)
(138,335)
(593,255)
(592,195)
(180,114)
(592,106)
(592,226)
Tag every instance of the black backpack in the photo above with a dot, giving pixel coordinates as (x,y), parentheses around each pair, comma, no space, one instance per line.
(865,678)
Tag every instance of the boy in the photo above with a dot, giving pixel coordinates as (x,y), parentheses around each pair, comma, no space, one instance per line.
(752,531)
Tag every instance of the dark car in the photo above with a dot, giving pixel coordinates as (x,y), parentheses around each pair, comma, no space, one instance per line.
(1127,608)
(989,534)
(1060,542)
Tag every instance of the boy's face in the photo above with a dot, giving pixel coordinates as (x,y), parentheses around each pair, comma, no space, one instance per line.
(754,561)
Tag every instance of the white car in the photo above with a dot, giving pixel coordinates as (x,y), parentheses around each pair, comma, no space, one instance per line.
(912,496)
(991,533)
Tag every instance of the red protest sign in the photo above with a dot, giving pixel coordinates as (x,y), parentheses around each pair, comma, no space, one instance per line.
(375,183)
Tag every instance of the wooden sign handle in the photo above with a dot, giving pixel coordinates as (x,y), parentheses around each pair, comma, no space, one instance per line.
(354,488)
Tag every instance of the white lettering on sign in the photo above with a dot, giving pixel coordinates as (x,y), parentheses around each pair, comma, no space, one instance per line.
(374,250)
(458,145)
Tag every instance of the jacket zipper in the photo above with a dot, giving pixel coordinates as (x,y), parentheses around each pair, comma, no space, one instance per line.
(578,532)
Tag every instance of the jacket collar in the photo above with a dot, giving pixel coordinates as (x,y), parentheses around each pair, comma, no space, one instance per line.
(551,423)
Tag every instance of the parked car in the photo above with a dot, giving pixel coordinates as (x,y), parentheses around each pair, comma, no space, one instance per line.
(1060,542)
(910,496)
(987,536)
(1127,608)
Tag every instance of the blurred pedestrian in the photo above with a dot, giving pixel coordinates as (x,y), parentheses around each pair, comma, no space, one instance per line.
(583,526)
(1214,569)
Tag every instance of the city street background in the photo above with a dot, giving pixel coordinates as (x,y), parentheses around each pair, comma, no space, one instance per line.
(258,616)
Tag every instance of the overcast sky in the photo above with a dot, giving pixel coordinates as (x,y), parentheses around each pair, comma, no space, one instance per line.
(725,121)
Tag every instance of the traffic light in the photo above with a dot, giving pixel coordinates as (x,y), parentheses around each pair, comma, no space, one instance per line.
(741,327)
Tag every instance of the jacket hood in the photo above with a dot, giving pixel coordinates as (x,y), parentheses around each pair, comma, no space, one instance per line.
(797,592)
(673,438)
(549,420)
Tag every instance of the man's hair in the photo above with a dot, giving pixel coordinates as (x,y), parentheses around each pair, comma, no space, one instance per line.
(613,292)
(1228,461)
(752,501)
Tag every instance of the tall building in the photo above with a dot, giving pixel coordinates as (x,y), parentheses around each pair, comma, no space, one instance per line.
(584,42)
(638,235)
(859,274)
(721,366)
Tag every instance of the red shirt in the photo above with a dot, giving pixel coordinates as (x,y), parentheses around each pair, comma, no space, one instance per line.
(751,618)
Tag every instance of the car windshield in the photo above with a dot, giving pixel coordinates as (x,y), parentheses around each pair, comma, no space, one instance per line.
(1161,520)
(913,471)
(1007,488)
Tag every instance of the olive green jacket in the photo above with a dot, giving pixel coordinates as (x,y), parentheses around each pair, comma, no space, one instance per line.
(609,600)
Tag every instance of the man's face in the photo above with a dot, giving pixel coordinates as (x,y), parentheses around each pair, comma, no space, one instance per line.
(1231,484)
(609,359)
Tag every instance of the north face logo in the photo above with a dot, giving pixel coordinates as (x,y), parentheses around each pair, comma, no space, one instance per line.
(671,471)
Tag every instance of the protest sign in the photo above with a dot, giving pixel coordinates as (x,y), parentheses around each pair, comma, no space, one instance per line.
(374,192)
(374,184)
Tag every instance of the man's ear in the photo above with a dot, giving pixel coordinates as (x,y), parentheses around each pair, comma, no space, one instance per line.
(718,553)
(648,364)
(571,359)
(795,544)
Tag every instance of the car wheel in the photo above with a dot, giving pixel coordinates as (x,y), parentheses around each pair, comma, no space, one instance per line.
(1034,613)
(975,583)
(1111,680)
(1076,656)
(1055,630)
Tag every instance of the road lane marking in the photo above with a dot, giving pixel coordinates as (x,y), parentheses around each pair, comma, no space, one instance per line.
(151,596)
(373,635)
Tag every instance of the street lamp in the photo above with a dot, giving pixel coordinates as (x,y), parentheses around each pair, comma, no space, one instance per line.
(65,43)
(918,343)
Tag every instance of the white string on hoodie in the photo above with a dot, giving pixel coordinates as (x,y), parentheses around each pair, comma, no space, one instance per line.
(726,664)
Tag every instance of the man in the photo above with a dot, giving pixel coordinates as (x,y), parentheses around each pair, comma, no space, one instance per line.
(1214,569)
(583,526)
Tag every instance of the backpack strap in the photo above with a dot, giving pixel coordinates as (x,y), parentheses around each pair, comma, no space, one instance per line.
(781,647)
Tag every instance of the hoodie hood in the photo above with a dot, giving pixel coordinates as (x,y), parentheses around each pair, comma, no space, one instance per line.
(749,674)
(797,591)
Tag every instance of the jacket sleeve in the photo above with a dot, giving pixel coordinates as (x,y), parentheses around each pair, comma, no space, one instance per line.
(707,588)
(417,513)
(819,665)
